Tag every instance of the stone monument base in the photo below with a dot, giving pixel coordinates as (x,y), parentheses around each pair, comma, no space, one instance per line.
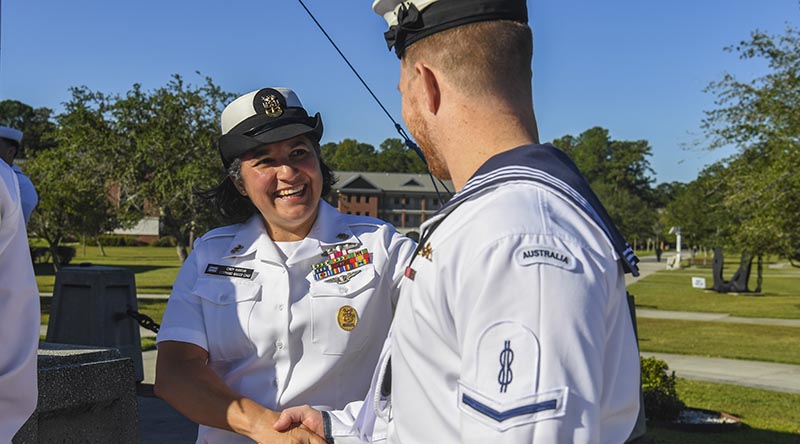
(86,395)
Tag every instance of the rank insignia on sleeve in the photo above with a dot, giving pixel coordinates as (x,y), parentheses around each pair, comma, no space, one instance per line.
(347,317)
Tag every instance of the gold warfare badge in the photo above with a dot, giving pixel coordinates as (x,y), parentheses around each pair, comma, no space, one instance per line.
(347,317)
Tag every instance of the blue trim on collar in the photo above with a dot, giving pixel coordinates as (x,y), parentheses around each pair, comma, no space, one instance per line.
(508,414)
(553,169)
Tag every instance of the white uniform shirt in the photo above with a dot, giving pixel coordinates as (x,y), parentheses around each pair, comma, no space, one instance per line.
(19,313)
(275,333)
(512,327)
(27,193)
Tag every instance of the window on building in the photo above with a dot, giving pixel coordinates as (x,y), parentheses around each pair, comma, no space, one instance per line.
(358,213)
(366,213)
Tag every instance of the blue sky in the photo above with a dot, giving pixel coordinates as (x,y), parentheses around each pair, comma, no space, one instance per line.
(636,67)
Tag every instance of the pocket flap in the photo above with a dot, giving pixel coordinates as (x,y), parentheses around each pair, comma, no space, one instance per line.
(224,291)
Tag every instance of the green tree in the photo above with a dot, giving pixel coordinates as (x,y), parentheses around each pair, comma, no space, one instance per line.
(395,157)
(72,199)
(85,131)
(699,210)
(167,152)
(760,117)
(349,155)
(35,124)
(619,173)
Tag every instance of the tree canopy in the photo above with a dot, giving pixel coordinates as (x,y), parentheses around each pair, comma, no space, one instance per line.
(35,124)
(760,117)
(619,173)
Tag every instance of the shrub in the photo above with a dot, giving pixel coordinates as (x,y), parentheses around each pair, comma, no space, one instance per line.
(117,240)
(661,400)
(41,255)
(166,241)
(65,254)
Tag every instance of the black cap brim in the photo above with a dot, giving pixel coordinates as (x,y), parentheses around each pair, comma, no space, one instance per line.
(233,145)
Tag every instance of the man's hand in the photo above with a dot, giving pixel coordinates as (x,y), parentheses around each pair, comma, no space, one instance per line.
(305,415)
(291,433)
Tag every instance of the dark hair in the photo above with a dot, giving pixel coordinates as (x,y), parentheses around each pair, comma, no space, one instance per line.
(233,208)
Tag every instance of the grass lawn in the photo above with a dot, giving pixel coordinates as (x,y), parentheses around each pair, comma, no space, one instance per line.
(771,417)
(672,290)
(718,339)
(155,268)
(150,307)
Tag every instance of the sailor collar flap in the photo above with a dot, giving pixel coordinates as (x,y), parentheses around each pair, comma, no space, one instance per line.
(551,168)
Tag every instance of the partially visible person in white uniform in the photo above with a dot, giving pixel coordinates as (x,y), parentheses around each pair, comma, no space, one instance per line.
(513,324)
(10,140)
(290,304)
(19,313)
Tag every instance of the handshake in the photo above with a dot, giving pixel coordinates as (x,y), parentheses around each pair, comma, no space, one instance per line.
(295,425)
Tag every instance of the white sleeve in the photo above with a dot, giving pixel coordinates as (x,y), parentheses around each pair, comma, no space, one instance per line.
(19,314)
(536,344)
(183,319)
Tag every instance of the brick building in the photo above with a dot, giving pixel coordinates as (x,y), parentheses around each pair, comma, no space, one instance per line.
(402,199)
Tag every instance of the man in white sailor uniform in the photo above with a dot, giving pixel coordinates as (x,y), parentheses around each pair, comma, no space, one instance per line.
(19,311)
(288,305)
(513,324)
(10,140)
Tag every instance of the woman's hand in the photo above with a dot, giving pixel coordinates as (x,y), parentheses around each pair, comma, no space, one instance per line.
(304,415)
(265,430)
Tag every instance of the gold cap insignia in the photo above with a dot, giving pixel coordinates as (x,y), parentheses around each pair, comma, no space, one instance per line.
(347,317)
(272,106)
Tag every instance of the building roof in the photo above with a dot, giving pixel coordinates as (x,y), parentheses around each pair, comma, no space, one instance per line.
(387,182)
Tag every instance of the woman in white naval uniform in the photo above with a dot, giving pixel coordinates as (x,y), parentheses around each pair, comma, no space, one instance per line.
(289,306)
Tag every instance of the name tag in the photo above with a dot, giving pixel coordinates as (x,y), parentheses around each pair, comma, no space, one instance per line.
(225,270)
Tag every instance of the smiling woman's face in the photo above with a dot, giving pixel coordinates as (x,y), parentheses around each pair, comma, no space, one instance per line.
(284,181)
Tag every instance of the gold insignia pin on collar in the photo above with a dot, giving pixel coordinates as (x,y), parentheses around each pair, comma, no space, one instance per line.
(237,249)
(426,252)
(342,236)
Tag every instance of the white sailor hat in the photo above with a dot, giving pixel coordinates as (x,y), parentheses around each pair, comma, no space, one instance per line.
(11,134)
(413,20)
(264,116)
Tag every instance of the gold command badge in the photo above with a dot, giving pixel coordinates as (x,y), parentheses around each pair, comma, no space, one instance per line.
(272,107)
(347,317)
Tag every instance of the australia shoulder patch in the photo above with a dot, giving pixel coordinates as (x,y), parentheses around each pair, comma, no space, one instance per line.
(547,255)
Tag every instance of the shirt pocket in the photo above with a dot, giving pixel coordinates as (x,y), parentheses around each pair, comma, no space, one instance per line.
(340,321)
(227,307)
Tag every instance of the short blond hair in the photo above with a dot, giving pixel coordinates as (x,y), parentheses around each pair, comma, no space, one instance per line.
(479,58)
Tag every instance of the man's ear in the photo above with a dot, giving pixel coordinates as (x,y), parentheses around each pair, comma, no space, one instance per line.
(431,91)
